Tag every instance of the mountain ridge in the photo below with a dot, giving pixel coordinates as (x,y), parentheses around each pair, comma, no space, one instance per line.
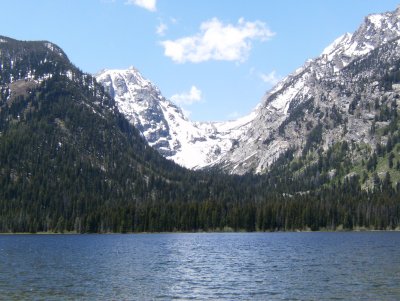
(190,144)
(71,161)
(254,145)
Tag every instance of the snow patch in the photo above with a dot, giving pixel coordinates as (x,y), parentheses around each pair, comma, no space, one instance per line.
(282,101)
(335,47)
(164,125)
(53,48)
(376,20)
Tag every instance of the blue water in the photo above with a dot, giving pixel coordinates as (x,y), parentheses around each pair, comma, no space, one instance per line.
(258,266)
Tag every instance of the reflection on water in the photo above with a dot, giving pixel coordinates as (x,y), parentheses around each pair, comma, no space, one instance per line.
(259,266)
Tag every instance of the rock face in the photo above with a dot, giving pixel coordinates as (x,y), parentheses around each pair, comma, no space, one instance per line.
(341,95)
(330,95)
(163,124)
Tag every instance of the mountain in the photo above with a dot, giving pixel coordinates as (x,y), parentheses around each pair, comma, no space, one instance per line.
(330,92)
(65,150)
(71,161)
(330,99)
(163,124)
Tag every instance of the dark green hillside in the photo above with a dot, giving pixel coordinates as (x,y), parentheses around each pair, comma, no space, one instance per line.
(35,59)
(69,161)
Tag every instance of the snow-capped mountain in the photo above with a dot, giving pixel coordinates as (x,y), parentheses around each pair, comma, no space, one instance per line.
(331,95)
(163,124)
(291,110)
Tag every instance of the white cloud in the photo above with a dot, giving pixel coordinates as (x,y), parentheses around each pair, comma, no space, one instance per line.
(146,4)
(217,41)
(271,78)
(186,113)
(187,98)
(161,29)
(234,115)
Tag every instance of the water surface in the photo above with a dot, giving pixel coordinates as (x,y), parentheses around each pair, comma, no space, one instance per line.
(235,266)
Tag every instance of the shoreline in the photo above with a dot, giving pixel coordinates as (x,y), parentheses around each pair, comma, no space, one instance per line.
(200,232)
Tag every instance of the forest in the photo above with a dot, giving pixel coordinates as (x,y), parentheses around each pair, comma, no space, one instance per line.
(71,163)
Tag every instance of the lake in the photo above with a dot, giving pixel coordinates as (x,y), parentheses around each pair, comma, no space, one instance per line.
(201,266)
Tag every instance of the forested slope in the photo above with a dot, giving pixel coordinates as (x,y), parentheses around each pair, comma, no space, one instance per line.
(69,161)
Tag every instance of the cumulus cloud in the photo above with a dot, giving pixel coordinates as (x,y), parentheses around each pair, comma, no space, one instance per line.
(271,78)
(146,4)
(187,98)
(161,29)
(217,41)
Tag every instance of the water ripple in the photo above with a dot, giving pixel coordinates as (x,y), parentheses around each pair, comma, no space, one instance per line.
(259,266)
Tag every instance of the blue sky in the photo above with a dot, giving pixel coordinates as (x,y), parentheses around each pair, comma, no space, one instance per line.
(216,58)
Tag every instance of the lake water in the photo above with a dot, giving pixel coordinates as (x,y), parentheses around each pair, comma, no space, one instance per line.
(220,266)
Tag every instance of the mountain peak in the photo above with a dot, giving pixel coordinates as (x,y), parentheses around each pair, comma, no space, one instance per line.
(317,86)
(31,60)
(332,48)
(164,125)
(253,143)
(375,30)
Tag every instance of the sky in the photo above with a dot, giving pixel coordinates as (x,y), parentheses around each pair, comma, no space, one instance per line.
(214,58)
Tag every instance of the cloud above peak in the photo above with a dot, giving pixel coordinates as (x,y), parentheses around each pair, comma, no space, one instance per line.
(217,41)
(146,4)
(187,98)
(271,78)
